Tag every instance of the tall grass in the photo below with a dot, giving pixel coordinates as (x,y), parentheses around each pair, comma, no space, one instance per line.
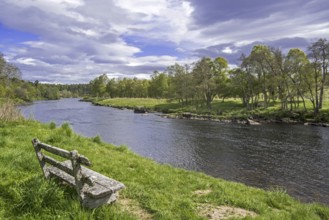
(9,112)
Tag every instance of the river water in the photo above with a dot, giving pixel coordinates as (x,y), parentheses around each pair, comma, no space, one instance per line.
(292,157)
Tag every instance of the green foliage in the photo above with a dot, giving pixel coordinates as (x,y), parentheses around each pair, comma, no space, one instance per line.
(98,85)
(209,78)
(159,85)
(51,93)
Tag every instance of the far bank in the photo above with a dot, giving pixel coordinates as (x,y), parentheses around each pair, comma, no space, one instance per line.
(230,110)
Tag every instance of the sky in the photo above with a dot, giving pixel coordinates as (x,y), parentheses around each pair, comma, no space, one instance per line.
(74,41)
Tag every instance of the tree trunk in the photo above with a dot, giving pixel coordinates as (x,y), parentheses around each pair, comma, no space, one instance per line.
(323,81)
(304,105)
(209,99)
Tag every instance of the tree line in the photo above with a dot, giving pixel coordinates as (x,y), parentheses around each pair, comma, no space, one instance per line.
(265,76)
(13,87)
(198,84)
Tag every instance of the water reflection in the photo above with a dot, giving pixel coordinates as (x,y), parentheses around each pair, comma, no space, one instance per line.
(292,157)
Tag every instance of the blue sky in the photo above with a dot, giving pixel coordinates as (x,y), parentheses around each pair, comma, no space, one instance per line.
(74,41)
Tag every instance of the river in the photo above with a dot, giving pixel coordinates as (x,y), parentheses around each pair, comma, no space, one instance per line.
(292,157)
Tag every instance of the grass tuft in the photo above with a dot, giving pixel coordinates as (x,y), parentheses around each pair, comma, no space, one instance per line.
(97,139)
(52,125)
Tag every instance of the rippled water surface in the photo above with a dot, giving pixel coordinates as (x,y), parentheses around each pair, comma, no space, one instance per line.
(293,157)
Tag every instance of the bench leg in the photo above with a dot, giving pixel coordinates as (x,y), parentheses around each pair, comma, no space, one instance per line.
(39,154)
(77,173)
(92,203)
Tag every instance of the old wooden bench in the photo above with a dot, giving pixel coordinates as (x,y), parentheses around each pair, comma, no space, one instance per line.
(94,189)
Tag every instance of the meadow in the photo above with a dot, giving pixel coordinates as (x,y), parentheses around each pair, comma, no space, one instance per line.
(229,109)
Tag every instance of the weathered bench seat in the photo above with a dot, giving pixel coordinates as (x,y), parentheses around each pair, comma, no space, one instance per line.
(94,189)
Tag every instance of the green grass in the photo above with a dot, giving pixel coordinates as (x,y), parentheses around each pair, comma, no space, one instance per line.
(132,102)
(160,191)
(165,105)
(229,109)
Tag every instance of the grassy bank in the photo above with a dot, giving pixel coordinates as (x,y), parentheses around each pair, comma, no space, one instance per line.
(153,191)
(231,109)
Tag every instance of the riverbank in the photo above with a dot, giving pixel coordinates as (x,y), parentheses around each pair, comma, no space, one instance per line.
(229,111)
(153,191)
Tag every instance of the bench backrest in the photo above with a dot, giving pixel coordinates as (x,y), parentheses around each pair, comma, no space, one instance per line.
(73,156)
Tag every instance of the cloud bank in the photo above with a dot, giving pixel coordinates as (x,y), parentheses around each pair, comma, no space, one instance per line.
(73,41)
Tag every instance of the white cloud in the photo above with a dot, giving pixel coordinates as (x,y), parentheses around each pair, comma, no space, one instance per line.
(27,61)
(78,39)
(74,34)
(163,19)
(156,61)
(227,50)
(282,20)
(87,32)
(62,7)
(148,7)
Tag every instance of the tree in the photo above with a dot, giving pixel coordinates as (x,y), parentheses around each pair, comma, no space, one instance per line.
(244,85)
(8,71)
(319,56)
(182,85)
(221,68)
(98,85)
(139,88)
(298,77)
(158,85)
(51,93)
(2,63)
(258,64)
(111,88)
(36,83)
(203,76)
(208,77)
(11,71)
